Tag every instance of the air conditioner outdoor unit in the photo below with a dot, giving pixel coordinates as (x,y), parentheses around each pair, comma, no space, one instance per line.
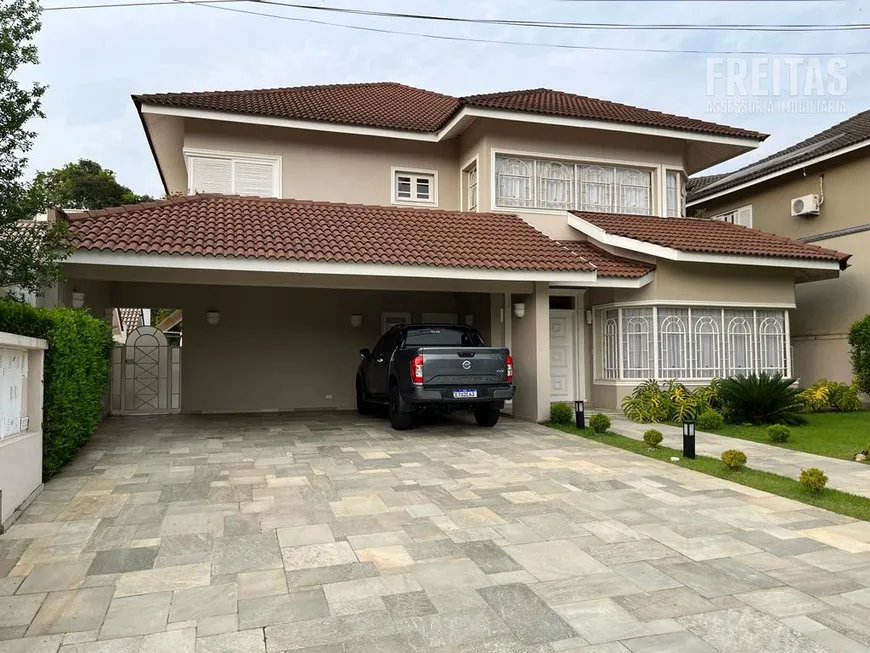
(806,205)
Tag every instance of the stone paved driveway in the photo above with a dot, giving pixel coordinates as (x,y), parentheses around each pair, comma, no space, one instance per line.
(333,534)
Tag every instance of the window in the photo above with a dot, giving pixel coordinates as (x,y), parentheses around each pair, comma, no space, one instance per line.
(471,187)
(443,337)
(413,187)
(689,342)
(674,194)
(741,216)
(233,174)
(555,185)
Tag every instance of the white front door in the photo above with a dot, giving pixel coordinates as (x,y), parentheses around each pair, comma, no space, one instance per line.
(562,355)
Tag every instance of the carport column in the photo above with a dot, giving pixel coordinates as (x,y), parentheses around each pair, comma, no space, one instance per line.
(531,352)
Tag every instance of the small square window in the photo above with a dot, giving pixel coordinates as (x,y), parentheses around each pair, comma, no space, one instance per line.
(414,187)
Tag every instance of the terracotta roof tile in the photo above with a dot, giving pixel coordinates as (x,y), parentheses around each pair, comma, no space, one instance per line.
(280,229)
(607,264)
(708,236)
(396,106)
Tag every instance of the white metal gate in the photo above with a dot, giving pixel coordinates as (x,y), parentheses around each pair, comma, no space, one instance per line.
(146,374)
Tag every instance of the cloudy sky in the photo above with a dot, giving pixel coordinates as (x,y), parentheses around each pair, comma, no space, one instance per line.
(94,59)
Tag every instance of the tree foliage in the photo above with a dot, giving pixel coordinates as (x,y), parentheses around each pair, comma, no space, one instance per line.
(84,184)
(762,399)
(29,251)
(859,341)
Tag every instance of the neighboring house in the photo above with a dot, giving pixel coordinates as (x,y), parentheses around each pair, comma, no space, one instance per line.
(329,213)
(816,191)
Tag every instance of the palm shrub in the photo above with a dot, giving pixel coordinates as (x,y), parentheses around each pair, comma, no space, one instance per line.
(671,402)
(762,399)
(826,395)
(560,413)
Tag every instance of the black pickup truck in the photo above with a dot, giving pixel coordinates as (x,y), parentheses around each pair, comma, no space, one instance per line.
(423,366)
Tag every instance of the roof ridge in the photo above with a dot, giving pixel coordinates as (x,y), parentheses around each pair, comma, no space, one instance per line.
(276,89)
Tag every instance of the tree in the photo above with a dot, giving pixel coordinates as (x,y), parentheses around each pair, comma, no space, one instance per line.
(859,341)
(82,185)
(30,252)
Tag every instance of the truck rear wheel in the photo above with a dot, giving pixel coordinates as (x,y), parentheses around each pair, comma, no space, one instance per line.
(487,415)
(401,421)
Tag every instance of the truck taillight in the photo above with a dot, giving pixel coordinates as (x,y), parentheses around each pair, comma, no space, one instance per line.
(510,369)
(417,369)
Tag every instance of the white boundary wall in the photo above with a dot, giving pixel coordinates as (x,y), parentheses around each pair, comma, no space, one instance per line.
(21,369)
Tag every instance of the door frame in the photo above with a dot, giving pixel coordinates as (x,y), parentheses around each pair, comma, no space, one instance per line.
(579,311)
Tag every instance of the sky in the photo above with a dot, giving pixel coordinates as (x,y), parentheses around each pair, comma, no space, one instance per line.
(93,59)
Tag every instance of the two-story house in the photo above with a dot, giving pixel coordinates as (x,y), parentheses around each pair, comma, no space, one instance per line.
(305,221)
(815,191)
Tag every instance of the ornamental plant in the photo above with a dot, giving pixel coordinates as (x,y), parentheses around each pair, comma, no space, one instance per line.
(561,413)
(734,459)
(778,433)
(710,419)
(762,399)
(813,479)
(599,423)
(653,438)
(859,342)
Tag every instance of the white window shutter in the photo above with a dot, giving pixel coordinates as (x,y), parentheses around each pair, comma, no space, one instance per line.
(744,216)
(207,175)
(254,178)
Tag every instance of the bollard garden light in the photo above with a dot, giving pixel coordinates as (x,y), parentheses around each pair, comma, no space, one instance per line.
(689,438)
(580,413)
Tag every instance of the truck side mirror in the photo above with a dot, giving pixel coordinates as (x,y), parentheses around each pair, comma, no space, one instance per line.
(365,352)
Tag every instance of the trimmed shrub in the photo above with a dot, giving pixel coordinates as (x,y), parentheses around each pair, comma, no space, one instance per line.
(710,419)
(76,374)
(734,459)
(813,479)
(653,438)
(599,423)
(762,399)
(778,433)
(561,413)
(859,342)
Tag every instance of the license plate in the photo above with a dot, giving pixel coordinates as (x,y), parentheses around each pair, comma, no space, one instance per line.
(465,394)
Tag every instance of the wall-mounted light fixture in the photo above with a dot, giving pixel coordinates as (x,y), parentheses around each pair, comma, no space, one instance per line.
(588,317)
(78,299)
(356,320)
(469,320)
(212,317)
(519,309)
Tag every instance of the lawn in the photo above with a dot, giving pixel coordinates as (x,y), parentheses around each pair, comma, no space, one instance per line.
(840,502)
(838,435)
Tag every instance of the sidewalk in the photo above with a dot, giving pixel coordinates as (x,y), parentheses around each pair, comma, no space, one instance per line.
(842,474)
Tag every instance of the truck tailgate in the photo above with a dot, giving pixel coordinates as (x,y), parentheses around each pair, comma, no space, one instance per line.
(460,366)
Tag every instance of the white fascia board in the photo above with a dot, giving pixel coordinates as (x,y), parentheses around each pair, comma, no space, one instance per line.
(239,264)
(621,282)
(779,173)
(455,126)
(671,254)
(310,125)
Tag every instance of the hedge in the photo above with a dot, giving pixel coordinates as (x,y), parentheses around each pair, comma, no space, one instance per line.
(76,374)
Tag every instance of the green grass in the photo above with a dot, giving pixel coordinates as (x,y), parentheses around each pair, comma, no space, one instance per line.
(840,502)
(837,435)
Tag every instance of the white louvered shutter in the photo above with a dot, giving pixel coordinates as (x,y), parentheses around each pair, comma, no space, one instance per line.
(744,216)
(209,175)
(254,178)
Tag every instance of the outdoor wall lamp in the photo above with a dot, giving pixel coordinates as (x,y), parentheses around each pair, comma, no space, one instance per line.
(689,438)
(580,413)
(78,299)
(588,317)
(469,320)
(356,320)
(213,317)
(519,309)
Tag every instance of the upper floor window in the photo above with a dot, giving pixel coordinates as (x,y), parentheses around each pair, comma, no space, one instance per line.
(471,187)
(414,187)
(233,174)
(674,195)
(741,216)
(543,184)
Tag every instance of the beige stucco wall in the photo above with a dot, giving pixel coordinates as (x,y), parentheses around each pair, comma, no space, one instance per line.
(530,346)
(333,167)
(281,348)
(825,309)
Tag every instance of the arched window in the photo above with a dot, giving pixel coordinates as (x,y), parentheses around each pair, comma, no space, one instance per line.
(634,191)
(596,188)
(555,185)
(771,346)
(708,362)
(739,338)
(674,354)
(611,346)
(637,335)
(514,182)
